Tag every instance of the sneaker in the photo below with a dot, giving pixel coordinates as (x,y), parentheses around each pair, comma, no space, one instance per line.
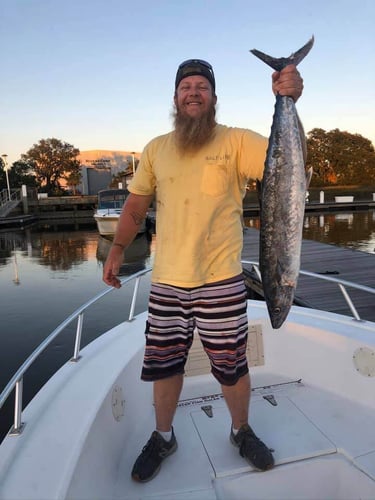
(252,448)
(149,461)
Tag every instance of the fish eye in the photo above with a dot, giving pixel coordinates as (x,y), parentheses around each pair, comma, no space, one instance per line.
(277,310)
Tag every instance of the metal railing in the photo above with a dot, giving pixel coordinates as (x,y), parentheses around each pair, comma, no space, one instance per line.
(16,383)
(8,203)
(342,284)
(15,194)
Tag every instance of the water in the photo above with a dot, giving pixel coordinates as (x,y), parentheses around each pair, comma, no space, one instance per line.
(354,230)
(351,230)
(47,272)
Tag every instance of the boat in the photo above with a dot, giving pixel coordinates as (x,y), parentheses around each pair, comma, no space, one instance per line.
(107,214)
(313,384)
(136,256)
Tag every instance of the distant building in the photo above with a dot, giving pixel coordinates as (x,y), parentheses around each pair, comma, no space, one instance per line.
(99,166)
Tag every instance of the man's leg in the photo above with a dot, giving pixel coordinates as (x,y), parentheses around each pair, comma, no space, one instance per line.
(166,394)
(164,340)
(237,398)
(162,442)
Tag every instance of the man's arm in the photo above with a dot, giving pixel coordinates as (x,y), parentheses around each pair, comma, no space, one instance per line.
(132,216)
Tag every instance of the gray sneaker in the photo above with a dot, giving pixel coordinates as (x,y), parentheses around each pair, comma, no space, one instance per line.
(252,448)
(154,452)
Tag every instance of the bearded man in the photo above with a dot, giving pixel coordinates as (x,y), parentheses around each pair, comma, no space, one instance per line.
(198,173)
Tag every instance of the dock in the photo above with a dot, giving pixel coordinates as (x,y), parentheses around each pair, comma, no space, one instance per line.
(58,210)
(19,221)
(253,209)
(80,209)
(328,260)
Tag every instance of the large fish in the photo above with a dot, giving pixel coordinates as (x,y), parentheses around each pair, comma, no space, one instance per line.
(282,199)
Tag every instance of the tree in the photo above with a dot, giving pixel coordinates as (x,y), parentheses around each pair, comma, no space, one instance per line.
(22,173)
(74,179)
(53,160)
(340,158)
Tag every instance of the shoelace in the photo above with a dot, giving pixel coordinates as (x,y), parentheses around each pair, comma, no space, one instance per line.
(151,446)
(250,439)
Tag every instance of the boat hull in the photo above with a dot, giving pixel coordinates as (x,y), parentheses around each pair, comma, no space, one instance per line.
(107,215)
(97,414)
(107,224)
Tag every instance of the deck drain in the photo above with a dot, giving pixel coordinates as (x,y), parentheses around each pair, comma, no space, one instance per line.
(118,403)
(364,361)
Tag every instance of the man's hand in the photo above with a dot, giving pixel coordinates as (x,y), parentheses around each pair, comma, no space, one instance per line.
(288,82)
(132,215)
(112,266)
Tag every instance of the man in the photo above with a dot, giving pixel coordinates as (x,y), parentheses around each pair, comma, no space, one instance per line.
(198,173)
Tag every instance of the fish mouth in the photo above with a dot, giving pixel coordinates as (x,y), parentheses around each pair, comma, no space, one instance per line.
(279,305)
(278,316)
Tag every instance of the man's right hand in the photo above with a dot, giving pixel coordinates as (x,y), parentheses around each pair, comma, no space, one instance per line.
(132,215)
(112,266)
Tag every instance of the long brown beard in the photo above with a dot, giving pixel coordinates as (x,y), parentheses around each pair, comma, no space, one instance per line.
(193,133)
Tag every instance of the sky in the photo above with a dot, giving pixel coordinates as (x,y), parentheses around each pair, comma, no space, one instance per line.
(99,74)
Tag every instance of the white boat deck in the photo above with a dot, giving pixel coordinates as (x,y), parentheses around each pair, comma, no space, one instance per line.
(306,424)
(89,423)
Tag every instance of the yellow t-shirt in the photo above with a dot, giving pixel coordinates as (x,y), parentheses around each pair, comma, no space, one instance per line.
(199,204)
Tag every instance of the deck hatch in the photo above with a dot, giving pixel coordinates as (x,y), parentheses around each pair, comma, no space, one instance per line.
(283,428)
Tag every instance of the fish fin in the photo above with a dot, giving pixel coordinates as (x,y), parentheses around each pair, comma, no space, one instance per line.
(279,63)
(259,191)
(303,140)
(309,173)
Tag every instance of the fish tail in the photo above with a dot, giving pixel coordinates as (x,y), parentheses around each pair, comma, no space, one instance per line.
(279,63)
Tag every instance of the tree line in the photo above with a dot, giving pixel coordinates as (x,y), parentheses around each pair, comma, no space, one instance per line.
(337,158)
(340,158)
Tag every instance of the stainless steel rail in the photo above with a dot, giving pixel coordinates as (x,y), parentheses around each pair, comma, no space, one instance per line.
(16,381)
(15,194)
(8,203)
(342,284)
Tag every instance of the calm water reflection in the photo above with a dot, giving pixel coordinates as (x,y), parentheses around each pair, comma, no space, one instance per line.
(351,230)
(354,230)
(46,274)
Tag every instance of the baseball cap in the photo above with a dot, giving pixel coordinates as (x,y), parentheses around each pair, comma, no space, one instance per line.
(192,67)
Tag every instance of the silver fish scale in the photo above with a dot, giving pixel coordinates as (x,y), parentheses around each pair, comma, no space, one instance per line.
(282,196)
(282,208)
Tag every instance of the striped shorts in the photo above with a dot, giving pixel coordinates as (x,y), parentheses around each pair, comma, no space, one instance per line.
(218,313)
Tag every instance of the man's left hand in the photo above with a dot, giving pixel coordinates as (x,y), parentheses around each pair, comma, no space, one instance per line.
(288,82)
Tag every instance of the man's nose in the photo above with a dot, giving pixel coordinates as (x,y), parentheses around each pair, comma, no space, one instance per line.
(194,91)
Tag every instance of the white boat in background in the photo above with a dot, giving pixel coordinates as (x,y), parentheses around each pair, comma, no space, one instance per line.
(313,386)
(107,214)
(136,256)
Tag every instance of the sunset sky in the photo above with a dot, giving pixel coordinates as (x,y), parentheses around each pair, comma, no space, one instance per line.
(99,74)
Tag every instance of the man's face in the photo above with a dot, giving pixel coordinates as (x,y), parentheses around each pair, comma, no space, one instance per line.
(194,96)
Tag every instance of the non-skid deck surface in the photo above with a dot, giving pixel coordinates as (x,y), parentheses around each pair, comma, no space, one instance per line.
(305,423)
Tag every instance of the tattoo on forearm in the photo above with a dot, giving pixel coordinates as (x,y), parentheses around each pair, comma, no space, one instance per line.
(137,218)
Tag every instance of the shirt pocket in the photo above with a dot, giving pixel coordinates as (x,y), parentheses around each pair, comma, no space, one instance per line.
(215,179)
